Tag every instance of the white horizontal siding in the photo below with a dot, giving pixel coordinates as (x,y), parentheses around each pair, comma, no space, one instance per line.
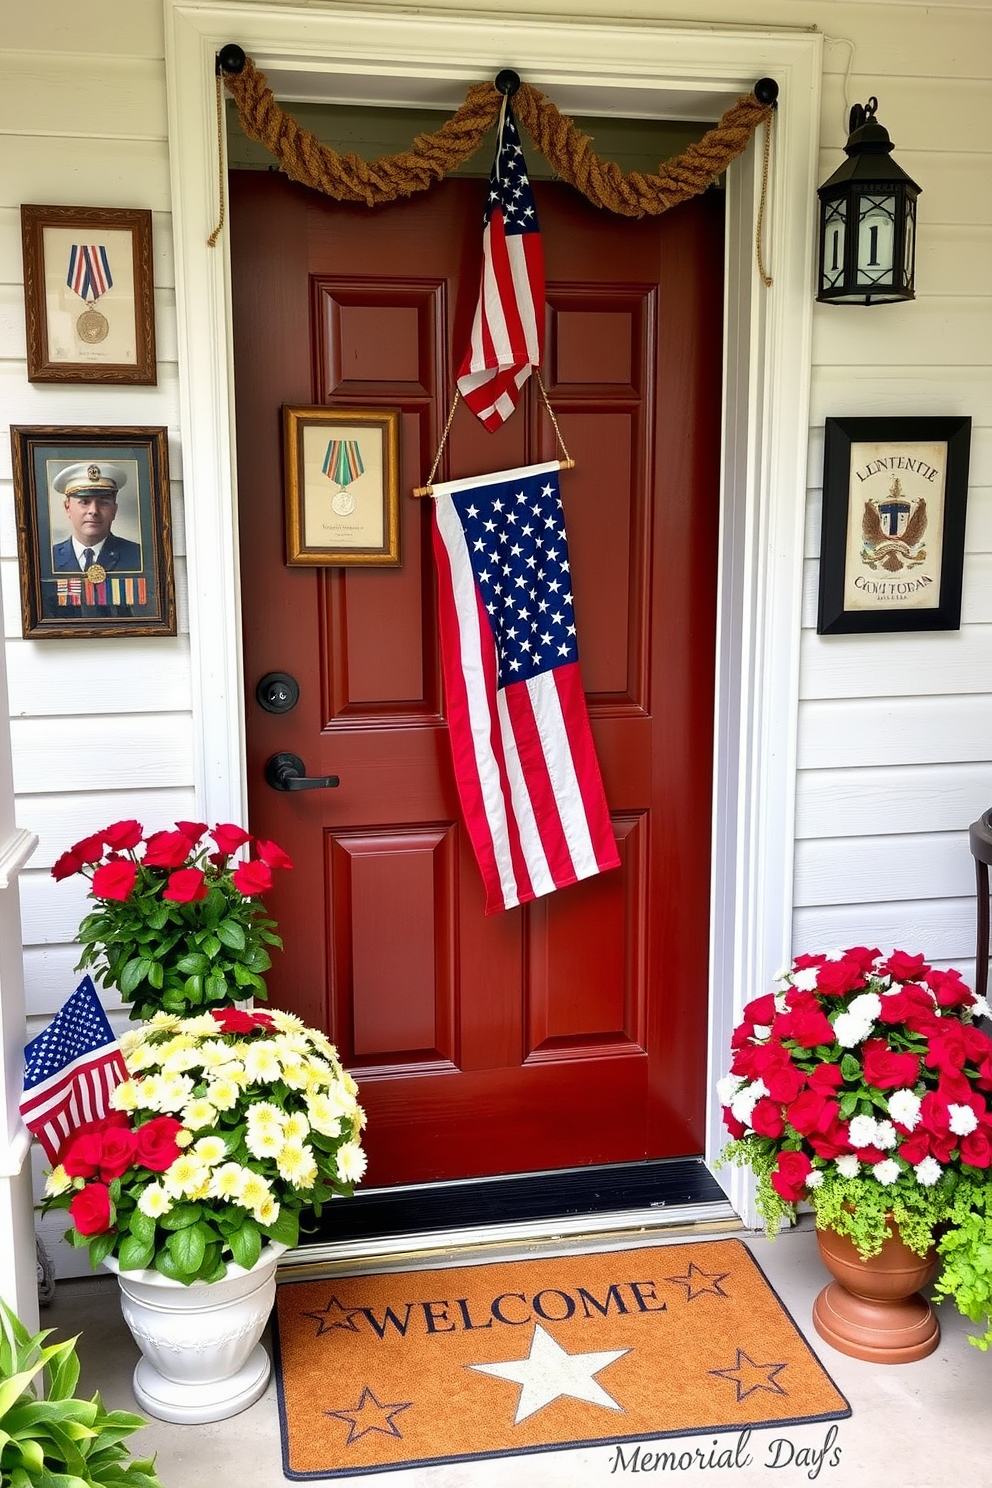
(895,799)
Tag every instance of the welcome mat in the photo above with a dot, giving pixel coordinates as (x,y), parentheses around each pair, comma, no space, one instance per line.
(421,1367)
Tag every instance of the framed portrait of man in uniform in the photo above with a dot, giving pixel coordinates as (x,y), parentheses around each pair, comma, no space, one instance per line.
(93,531)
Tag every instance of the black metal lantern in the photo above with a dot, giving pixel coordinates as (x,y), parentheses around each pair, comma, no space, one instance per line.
(867,221)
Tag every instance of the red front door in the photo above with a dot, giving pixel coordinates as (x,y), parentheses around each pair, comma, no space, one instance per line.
(571,1031)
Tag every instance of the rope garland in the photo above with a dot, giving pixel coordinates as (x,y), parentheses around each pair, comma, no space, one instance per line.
(347,177)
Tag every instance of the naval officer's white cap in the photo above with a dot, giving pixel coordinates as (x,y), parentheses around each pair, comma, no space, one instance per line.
(90,479)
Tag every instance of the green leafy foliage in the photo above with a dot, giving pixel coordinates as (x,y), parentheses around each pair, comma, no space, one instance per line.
(59,1441)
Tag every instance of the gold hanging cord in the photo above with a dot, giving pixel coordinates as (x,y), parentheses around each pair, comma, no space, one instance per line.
(567,464)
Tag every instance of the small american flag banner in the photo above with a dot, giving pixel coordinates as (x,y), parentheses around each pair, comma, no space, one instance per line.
(526,768)
(508,330)
(70,1070)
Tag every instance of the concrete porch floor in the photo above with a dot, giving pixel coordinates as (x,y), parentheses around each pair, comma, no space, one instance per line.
(924,1425)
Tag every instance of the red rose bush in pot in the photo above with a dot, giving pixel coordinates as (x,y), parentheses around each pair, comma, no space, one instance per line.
(862,1085)
(178,923)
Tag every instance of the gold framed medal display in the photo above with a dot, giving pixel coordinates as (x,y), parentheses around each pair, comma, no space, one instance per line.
(342,486)
(88,294)
(94,534)
(892,535)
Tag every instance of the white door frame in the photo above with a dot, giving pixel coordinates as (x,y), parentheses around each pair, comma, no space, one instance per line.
(392,56)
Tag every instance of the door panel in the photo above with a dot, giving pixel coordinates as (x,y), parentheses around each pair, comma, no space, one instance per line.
(571,1030)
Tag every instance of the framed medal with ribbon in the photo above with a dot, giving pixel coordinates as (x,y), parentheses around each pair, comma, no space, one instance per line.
(88,294)
(342,486)
(93,531)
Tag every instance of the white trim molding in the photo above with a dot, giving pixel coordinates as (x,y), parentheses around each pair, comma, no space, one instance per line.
(386,55)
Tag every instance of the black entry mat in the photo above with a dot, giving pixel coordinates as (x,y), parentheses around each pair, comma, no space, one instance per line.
(565,1194)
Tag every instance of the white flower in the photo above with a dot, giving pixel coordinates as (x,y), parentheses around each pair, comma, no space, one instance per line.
(850,1030)
(864,1132)
(980,1008)
(226,1181)
(727,1087)
(866,1006)
(351,1162)
(762,1031)
(174,1091)
(904,1107)
(154,1201)
(254,1190)
(164,1020)
(202,1026)
(222,1094)
(886,1172)
(746,1099)
(928,1172)
(295,1126)
(297,1165)
(186,1176)
(814,1179)
(124,1097)
(847,1165)
(805,980)
(211,1149)
(262,1063)
(57,1182)
(287,1022)
(263,1141)
(267,1212)
(885,1135)
(962,1120)
(198,1113)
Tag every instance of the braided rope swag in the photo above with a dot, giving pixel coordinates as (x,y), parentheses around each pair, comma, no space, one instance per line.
(347,177)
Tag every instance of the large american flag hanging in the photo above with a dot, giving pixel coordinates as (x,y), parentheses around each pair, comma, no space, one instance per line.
(70,1070)
(527,773)
(508,330)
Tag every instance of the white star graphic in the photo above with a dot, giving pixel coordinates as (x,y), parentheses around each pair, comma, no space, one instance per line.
(549,1372)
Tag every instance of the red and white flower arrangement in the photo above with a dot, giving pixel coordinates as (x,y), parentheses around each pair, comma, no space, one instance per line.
(228,1124)
(862,1085)
(179,924)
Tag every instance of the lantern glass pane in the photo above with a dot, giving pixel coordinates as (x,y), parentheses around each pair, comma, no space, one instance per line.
(909,253)
(834,239)
(876,240)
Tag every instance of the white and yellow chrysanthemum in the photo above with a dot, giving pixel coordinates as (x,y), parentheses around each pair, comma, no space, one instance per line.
(324,1114)
(155,1201)
(267,1212)
(262,1063)
(254,1190)
(351,1162)
(211,1150)
(264,1141)
(358,1121)
(286,1022)
(164,1020)
(322,1044)
(57,1182)
(214,1054)
(179,1061)
(184,1137)
(149,1093)
(197,1114)
(226,1181)
(222,1093)
(202,1026)
(295,1126)
(130,1040)
(186,1176)
(349,1084)
(124,1097)
(295,1073)
(296,1164)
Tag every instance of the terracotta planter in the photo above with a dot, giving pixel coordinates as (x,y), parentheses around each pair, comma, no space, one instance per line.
(201,1355)
(873,1308)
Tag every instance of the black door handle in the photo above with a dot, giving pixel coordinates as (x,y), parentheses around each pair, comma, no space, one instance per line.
(287,772)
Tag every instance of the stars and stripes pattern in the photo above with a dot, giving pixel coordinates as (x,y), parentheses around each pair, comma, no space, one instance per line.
(527,774)
(70,1070)
(89,271)
(508,329)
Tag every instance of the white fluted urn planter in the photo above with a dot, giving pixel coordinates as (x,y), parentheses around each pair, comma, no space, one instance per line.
(201,1358)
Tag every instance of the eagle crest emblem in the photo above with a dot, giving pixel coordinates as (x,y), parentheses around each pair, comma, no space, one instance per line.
(893,531)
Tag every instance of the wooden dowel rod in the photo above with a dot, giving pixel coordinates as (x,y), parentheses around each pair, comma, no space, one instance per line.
(429,490)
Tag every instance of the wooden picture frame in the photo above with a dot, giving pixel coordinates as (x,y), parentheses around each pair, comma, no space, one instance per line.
(892,535)
(94,534)
(342,486)
(88,294)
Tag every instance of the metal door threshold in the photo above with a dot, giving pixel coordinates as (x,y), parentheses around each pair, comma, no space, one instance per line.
(619,1206)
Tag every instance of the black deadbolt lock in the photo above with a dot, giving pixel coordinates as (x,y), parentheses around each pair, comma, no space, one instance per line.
(278,692)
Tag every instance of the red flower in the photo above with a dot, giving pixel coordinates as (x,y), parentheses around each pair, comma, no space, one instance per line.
(910,1005)
(156,1146)
(802,962)
(736,1128)
(805,1022)
(976,1148)
(167,850)
(65,866)
(117,1152)
(864,957)
(761,1010)
(272,854)
(789,1176)
(888,1070)
(904,968)
(122,835)
(948,1049)
(833,1141)
(233,1020)
(186,886)
(826,1078)
(90,1209)
(837,977)
(949,989)
(193,830)
(115,880)
(252,878)
(766,1118)
(90,849)
(914,1148)
(81,1151)
(229,838)
(812,1112)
